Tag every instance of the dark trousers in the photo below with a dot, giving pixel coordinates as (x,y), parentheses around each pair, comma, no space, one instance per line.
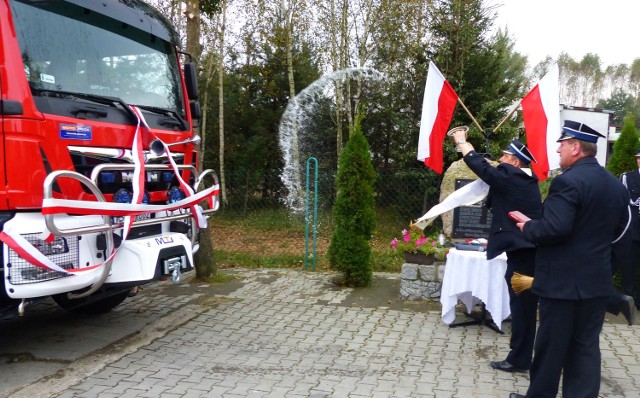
(629,271)
(524,309)
(568,341)
(624,259)
(614,303)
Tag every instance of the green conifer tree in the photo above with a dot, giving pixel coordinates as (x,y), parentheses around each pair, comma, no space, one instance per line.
(625,149)
(354,212)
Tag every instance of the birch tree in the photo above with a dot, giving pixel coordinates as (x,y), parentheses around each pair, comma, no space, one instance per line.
(615,80)
(333,17)
(347,26)
(220,72)
(288,15)
(634,78)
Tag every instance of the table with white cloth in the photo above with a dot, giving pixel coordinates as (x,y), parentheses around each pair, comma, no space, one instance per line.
(472,279)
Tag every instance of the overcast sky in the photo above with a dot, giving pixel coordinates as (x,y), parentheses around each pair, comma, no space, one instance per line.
(607,28)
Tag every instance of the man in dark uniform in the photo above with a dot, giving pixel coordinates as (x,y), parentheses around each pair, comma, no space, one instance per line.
(626,251)
(584,212)
(631,180)
(512,187)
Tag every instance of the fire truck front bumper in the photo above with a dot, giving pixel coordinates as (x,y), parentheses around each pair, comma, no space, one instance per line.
(150,258)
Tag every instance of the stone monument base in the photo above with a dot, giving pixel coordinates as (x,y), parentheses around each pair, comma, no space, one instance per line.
(421,282)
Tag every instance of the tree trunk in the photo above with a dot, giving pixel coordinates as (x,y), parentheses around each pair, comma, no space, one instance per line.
(203,259)
(337,64)
(209,66)
(363,52)
(223,189)
(344,55)
(339,106)
(193,29)
(287,13)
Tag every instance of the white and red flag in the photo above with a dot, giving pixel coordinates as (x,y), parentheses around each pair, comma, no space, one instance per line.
(437,111)
(541,115)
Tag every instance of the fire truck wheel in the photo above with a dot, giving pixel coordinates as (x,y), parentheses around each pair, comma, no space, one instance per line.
(99,306)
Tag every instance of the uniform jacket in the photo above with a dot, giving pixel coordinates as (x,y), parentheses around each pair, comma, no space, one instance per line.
(510,189)
(632,181)
(585,210)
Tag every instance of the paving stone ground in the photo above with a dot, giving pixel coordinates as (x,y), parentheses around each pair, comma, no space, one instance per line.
(290,333)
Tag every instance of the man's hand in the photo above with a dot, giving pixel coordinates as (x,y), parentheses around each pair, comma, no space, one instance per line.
(459,138)
(521,225)
(458,135)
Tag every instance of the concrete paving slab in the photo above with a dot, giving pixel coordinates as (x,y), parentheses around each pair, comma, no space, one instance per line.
(291,333)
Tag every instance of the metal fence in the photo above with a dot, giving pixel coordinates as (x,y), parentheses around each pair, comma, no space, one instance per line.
(257,224)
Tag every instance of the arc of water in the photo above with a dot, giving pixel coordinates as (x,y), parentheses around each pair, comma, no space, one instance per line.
(294,120)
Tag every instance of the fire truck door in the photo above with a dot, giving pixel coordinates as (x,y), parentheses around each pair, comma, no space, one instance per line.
(5,106)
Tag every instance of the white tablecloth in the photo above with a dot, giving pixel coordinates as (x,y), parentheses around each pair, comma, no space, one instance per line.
(471,278)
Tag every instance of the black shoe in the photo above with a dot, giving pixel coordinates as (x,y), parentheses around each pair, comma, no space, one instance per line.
(628,309)
(505,366)
(515,395)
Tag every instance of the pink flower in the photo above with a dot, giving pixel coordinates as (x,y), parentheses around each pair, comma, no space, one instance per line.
(406,235)
(414,242)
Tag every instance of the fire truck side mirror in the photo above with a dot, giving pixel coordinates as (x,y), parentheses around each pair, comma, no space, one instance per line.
(196,113)
(191,80)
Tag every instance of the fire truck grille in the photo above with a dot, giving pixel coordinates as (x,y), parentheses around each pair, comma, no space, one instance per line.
(62,251)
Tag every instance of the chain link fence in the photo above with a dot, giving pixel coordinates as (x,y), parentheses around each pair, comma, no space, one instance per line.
(256,228)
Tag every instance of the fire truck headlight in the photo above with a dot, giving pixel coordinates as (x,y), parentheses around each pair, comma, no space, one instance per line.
(58,246)
(122,196)
(174,195)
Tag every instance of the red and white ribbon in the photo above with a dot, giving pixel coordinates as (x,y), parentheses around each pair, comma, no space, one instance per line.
(83,207)
(201,222)
(26,251)
(138,170)
(127,210)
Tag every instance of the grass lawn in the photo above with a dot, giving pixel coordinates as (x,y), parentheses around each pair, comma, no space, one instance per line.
(277,239)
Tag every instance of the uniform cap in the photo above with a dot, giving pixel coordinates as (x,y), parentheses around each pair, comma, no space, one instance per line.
(519,150)
(579,131)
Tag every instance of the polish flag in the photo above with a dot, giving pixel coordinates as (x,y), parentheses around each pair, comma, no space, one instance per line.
(541,115)
(437,111)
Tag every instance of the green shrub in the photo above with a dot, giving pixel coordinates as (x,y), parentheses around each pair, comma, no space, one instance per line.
(624,150)
(354,213)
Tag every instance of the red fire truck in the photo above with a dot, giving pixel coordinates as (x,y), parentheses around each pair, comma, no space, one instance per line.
(99,182)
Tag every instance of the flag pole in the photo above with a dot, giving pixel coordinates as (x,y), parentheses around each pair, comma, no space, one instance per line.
(515,108)
(470,115)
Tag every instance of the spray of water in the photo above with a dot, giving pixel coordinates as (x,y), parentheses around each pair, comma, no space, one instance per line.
(294,120)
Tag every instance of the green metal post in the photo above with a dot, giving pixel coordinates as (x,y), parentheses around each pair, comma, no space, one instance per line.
(315,214)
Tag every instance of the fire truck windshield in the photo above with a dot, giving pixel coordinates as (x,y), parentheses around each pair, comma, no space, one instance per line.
(68,48)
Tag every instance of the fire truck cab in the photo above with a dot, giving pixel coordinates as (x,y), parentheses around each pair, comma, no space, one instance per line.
(99,182)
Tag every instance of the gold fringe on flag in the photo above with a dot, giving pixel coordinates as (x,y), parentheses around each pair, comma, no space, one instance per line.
(415,228)
(521,282)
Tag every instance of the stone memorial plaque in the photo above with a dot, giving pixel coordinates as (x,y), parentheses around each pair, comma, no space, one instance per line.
(471,221)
